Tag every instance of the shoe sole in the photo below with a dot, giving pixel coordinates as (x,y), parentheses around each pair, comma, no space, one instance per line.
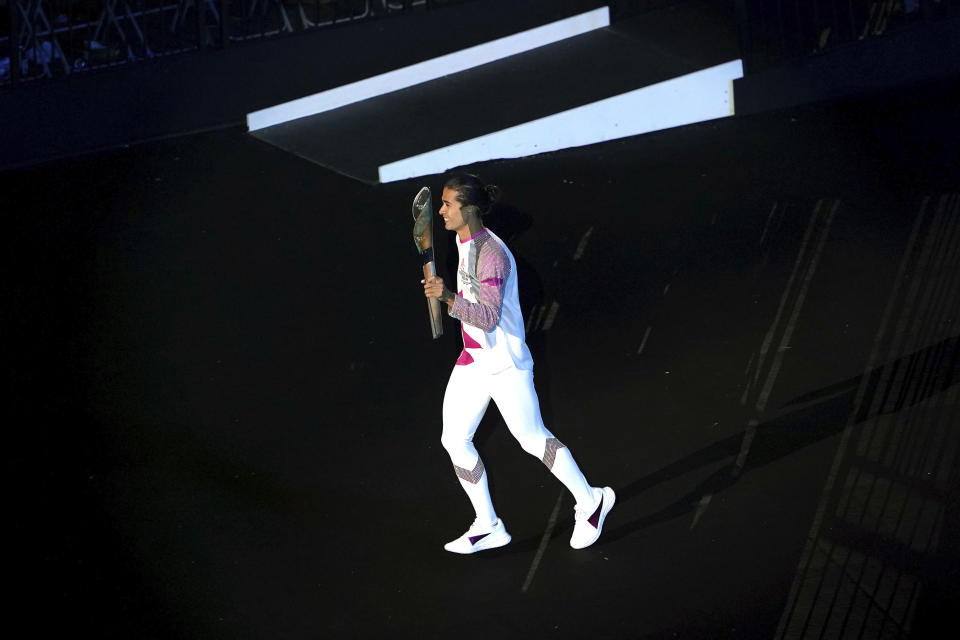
(609,499)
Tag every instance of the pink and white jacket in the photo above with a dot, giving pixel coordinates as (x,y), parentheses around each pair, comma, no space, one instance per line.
(488,306)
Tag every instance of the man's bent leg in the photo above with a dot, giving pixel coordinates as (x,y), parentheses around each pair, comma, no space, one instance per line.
(519,405)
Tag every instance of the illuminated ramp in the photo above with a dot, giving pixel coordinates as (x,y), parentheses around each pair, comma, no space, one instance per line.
(570,83)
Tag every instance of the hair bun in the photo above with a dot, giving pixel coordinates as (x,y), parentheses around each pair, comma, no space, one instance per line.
(472,192)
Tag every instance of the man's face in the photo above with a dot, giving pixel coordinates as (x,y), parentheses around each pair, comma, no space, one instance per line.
(450,211)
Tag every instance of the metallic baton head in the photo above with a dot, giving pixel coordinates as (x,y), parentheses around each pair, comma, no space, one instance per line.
(421,202)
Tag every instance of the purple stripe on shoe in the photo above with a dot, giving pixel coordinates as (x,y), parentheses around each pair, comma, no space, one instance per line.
(476,539)
(595,518)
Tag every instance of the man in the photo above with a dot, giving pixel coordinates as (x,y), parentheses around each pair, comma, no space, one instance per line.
(496,364)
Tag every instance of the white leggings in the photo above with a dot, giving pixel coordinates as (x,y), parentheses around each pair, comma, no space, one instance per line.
(468,394)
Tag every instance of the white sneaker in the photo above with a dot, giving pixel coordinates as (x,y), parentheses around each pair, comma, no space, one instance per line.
(587,525)
(479,537)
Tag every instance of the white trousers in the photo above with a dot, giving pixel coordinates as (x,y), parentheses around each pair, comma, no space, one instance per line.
(468,394)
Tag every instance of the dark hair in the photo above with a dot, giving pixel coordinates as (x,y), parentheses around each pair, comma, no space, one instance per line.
(472,192)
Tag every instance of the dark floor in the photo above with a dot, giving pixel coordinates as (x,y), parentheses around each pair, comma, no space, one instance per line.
(227,404)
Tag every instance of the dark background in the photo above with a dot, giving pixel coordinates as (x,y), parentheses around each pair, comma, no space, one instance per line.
(225,403)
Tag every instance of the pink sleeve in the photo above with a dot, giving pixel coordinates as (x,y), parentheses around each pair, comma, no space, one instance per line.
(493,269)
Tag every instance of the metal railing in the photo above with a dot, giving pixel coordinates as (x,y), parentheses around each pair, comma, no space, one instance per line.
(775,31)
(44,39)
